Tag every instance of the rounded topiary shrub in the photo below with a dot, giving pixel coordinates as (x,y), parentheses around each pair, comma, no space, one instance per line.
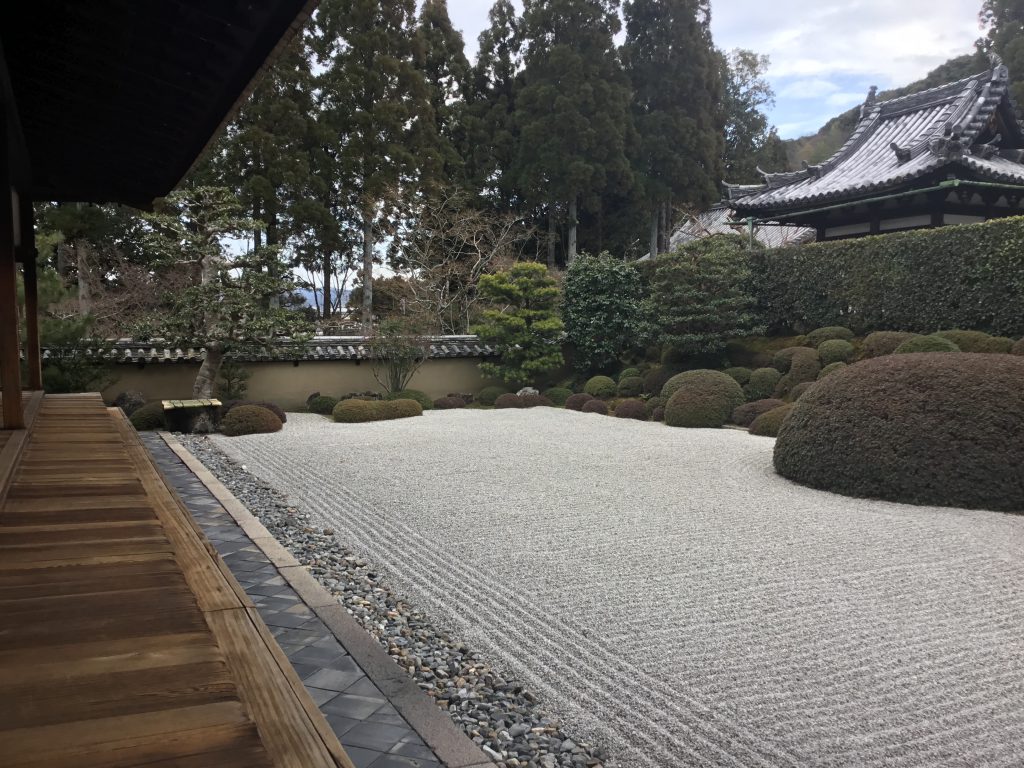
(967,341)
(402,408)
(412,394)
(768,424)
(655,402)
(798,391)
(595,406)
(129,402)
(881,343)
(631,409)
(508,400)
(804,366)
(535,401)
(148,417)
(355,411)
(631,386)
(926,344)
(762,384)
(229,405)
(628,373)
(1000,345)
(656,378)
(1018,348)
(449,403)
(783,359)
(601,386)
(934,429)
(488,395)
(830,333)
(558,395)
(577,401)
(829,369)
(658,414)
(322,404)
(703,399)
(745,414)
(742,375)
(835,351)
(250,420)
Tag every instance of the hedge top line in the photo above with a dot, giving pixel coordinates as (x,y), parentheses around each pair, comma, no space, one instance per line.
(970,124)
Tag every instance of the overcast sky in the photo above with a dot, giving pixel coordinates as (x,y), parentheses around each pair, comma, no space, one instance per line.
(825,54)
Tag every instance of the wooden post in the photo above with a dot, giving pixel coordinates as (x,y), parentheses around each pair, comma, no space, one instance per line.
(10,364)
(28,263)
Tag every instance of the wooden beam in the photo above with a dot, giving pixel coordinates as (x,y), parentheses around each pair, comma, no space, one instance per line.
(28,264)
(10,363)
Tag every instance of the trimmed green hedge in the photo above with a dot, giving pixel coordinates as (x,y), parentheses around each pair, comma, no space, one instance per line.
(969,276)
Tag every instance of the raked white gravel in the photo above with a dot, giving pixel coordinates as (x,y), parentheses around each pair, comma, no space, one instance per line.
(673,598)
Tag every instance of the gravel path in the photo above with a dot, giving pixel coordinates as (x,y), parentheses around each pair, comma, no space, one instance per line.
(670,596)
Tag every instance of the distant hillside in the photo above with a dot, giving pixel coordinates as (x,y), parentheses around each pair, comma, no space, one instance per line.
(822,145)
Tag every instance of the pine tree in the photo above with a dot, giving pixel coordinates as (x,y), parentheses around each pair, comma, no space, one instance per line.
(441,57)
(376,104)
(572,109)
(669,57)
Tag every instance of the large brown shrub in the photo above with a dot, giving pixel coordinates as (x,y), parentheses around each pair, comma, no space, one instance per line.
(941,428)
(595,406)
(744,415)
(762,384)
(577,401)
(768,424)
(1018,348)
(250,420)
(804,366)
(631,409)
(229,405)
(508,400)
(703,399)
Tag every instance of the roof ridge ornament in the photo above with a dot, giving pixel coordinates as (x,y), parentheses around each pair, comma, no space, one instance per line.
(869,102)
(999,69)
(902,155)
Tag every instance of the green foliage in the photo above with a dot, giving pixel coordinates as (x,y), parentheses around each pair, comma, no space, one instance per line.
(945,432)
(882,343)
(835,351)
(629,372)
(699,298)
(762,384)
(129,402)
(412,394)
(558,395)
(631,409)
(149,417)
(977,341)
(829,369)
(926,344)
(974,279)
(631,386)
(783,359)
(746,414)
(249,420)
(819,335)
(751,143)
(804,366)
(324,405)
(535,401)
(768,424)
(233,380)
(600,386)
(703,399)
(595,406)
(488,395)
(658,414)
(522,323)
(654,403)
(228,405)
(402,409)
(656,378)
(742,375)
(1017,348)
(798,391)
(603,310)
(358,411)
(577,401)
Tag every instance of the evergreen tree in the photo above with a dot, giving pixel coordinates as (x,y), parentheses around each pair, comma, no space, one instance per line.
(669,57)
(572,108)
(1003,21)
(377,105)
(441,57)
(750,141)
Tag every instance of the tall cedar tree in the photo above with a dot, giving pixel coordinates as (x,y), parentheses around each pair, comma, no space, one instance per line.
(490,111)
(441,57)
(670,59)
(751,143)
(377,105)
(1003,21)
(572,110)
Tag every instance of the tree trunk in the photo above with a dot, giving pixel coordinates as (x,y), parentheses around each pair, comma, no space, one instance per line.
(654,234)
(328,274)
(551,238)
(570,255)
(205,387)
(84,287)
(367,272)
(662,225)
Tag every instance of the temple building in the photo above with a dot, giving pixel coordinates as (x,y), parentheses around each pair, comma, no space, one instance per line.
(946,155)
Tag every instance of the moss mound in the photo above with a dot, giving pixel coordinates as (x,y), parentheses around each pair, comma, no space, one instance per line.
(401,409)
(600,386)
(631,409)
(558,395)
(631,386)
(1018,348)
(935,429)
(412,394)
(654,403)
(829,369)
(358,411)
(920,344)
(449,403)
(628,373)
(830,333)
(577,401)
(762,384)
(742,375)
(322,404)
(835,351)
(881,343)
(250,420)
(229,405)
(658,414)
(768,424)
(149,417)
(595,406)
(745,414)
(488,395)
(703,399)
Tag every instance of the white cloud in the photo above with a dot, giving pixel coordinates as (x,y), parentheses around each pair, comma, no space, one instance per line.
(810,88)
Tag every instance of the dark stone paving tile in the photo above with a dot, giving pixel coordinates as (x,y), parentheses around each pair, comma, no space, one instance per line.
(356,707)
(320,696)
(379,736)
(336,679)
(363,758)
(413,748)
(399,761)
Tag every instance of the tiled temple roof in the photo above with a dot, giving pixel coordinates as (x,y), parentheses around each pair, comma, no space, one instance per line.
(718,220)
(320,348)
(903,139)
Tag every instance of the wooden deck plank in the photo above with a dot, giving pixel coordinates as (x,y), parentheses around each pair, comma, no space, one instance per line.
(124,639)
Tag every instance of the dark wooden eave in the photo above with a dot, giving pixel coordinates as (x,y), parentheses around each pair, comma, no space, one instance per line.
(118,98)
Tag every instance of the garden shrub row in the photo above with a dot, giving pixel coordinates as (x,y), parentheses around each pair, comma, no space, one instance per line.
(969,276)
(250,420)
(355,411)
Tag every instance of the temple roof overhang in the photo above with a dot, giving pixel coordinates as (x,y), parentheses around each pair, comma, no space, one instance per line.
(967,129)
